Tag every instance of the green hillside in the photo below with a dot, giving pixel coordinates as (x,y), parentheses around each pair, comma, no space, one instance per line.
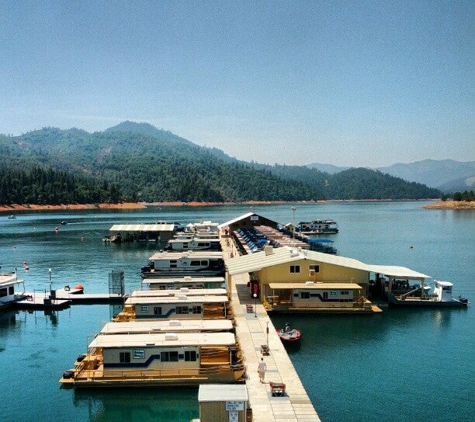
(143,163)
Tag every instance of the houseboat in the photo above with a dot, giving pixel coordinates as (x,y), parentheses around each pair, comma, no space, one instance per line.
(176,307)
(175,359)
(440,297)
(168,326)
(195,243)
(318,227)
(181,264)
(176,283)
(316,297)
(8,296)
(176,293)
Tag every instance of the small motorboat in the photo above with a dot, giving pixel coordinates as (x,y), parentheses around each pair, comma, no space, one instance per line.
(289,334)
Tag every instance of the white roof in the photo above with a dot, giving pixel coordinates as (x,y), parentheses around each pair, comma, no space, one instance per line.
(222,392)
(163,339)
(235,220)
(178,280)
(286,254)
(165,256)
(9,279)
(179,292)
(167,326)
(157,300)
(142,228)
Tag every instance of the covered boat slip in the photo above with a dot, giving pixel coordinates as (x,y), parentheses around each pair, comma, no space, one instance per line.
(316,297)
(176,283)
(176,293)
(168,326)
(156,359)
(180,307)
(142,232)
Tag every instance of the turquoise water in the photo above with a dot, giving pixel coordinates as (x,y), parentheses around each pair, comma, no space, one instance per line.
(404,365)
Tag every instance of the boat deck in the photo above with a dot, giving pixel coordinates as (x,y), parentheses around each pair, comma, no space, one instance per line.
(291,405)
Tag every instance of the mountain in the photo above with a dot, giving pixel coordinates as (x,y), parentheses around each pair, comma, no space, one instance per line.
(446,175)
(144,163)
(327,168)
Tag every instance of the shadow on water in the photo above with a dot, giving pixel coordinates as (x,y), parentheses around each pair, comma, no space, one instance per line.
(152,404)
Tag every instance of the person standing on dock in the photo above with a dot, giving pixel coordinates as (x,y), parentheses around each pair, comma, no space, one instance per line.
(262,368)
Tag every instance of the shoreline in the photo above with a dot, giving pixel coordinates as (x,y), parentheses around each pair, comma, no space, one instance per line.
(142,205)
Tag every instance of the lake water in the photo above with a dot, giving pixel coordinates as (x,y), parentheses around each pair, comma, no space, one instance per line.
(401,365)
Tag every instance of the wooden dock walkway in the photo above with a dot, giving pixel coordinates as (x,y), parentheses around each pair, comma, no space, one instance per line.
(251,331)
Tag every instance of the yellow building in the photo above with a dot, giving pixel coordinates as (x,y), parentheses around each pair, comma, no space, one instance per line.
(291,279)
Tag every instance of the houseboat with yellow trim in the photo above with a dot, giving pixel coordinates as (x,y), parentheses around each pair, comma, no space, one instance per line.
(175,307)
(175,359)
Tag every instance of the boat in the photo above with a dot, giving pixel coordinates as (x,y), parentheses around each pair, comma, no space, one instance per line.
(174,307)
(8,296)
(195,243)
(317,227)
(175,359)
(419,297)
(11,217)
(181,264)
(288,334)
(218,291)
(176,283)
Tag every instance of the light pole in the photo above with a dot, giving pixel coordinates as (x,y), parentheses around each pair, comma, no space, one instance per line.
(255,303)
(50,282)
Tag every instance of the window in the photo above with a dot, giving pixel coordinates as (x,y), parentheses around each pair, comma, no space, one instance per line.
(182,310)
(3,292)
(197,309)
(190,356)
(169,356)
(315,268)
(325,295)
(305,295)
(194,263)
(344,293)
(295,269)
(11,290)
(144,309)
(124,357)
(157,310)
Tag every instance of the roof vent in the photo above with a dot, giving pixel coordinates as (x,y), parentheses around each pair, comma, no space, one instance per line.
(268,250)
(174,323)
(171,336)
(184,289)
(183,297)
(309,283)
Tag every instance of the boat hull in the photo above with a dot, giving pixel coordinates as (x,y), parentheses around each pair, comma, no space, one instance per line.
(418,302)
(289,337)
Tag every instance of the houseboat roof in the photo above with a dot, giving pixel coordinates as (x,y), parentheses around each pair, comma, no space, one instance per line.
(163,339)
(222,392)
(157,300)
(161,227)
(166,256)
(179,292)
(186,279)
(276,256)
(314,286)
(167,326)
(9,279)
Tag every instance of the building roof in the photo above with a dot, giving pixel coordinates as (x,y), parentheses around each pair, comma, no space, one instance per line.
(223,392)
(276,256)
(171,255)
(167,326)
(163,339)
(179,292)
(193,300)
(314,286)
(235,220)
(142,228)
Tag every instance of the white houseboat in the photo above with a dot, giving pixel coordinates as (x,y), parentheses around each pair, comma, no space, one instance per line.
(176,283)
(176,359)
(181,264)
(176,307)
(8,297)
(318,227)
(176,293)
(195,243)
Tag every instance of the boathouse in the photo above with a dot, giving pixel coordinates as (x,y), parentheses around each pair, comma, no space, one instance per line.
(161,232)
(247,221)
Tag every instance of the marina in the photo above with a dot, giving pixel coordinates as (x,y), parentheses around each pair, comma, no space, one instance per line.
(258,309)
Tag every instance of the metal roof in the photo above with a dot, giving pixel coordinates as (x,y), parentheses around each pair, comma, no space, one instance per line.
(314,286)
(275,256)
(222,392)
(179,292)
(181,280)
(235,220)
(157,300)
(163,339)
(142,228)
(167,326)
(167,255)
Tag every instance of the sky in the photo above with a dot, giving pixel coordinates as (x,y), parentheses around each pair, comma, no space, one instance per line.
(351,83)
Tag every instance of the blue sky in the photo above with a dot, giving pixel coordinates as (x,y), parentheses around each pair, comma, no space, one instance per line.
(350,83)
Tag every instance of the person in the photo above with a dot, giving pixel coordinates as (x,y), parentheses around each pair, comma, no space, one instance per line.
(262,368)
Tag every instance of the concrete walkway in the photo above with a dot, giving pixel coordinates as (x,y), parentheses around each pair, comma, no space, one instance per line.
(251,331)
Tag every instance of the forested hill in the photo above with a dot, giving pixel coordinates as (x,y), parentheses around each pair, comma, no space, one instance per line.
(142,163)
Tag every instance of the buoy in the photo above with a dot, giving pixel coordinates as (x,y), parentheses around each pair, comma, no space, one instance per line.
(14,248)
(79,287)
(410,247)
(82,238)
(56,229)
